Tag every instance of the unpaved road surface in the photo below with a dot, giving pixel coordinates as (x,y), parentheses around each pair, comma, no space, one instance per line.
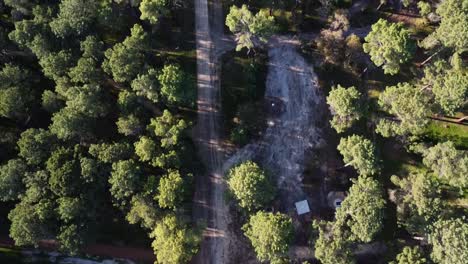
(209,205)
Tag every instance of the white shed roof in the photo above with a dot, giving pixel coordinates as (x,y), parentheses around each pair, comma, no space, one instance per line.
(302,207)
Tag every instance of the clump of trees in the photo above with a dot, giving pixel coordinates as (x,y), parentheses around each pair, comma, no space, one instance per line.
(389,45)
(345,106)
(360,153)
(251,186)
(270,235)
(97,123)
(248,27)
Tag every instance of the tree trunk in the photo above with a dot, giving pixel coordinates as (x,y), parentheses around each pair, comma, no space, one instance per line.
(430,57)
(462,119)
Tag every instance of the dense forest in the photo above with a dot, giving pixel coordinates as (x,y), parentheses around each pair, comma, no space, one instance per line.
(95,114)
(98,104)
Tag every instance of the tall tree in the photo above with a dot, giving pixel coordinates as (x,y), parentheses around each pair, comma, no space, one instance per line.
(242,22)
(151,10)
(448,163)
(332,247)
(362,211)
(173,241)
(449,85)
(360,153)
(409,105)
(176,86)
(345,107)
(89,100)
(69,125)
(143,210)
(16,94)
(125,180)
(74,17)
(418,201)
(125,60)
(410,255)
(452,31)
(147,85)
(251,186)
(389,46)
(449,240)
(11,180)
(111,152)
(27,227)
(168,128)
(170,190)
(64,172)
(35,145)
(270,235)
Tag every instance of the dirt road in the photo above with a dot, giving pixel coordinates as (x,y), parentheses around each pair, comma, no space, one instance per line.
(209,204)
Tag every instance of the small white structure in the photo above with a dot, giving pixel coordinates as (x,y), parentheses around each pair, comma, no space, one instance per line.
(302,207)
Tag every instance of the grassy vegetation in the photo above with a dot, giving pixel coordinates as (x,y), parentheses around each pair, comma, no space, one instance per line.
(438,131)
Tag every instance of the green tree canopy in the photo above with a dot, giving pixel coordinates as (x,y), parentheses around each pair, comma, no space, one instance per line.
(424,8)
(129,125)
(70,208)
(242,22)
(168,128)
(332,247)
(170,190)
(74,17)
(360,153)
(418,201)
(125,180)
(145,148)
(11,179)
(409,105)
(389,45)
(449,240)
(452,30)
(345,107)
(176,86)
(51,101)
(16,94)
(56,64)
(125,60)
(35,145)
(69,125)
(251,186)
(410,255)
(111,152)
(173,241)
(448,163)
(85,71)
(71,238)
(449,85)
(151,10)
(362,211)
(143,211)
(89,100)
(147,85)
(64,172)
(27,227)
(92,48)
(270,235)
